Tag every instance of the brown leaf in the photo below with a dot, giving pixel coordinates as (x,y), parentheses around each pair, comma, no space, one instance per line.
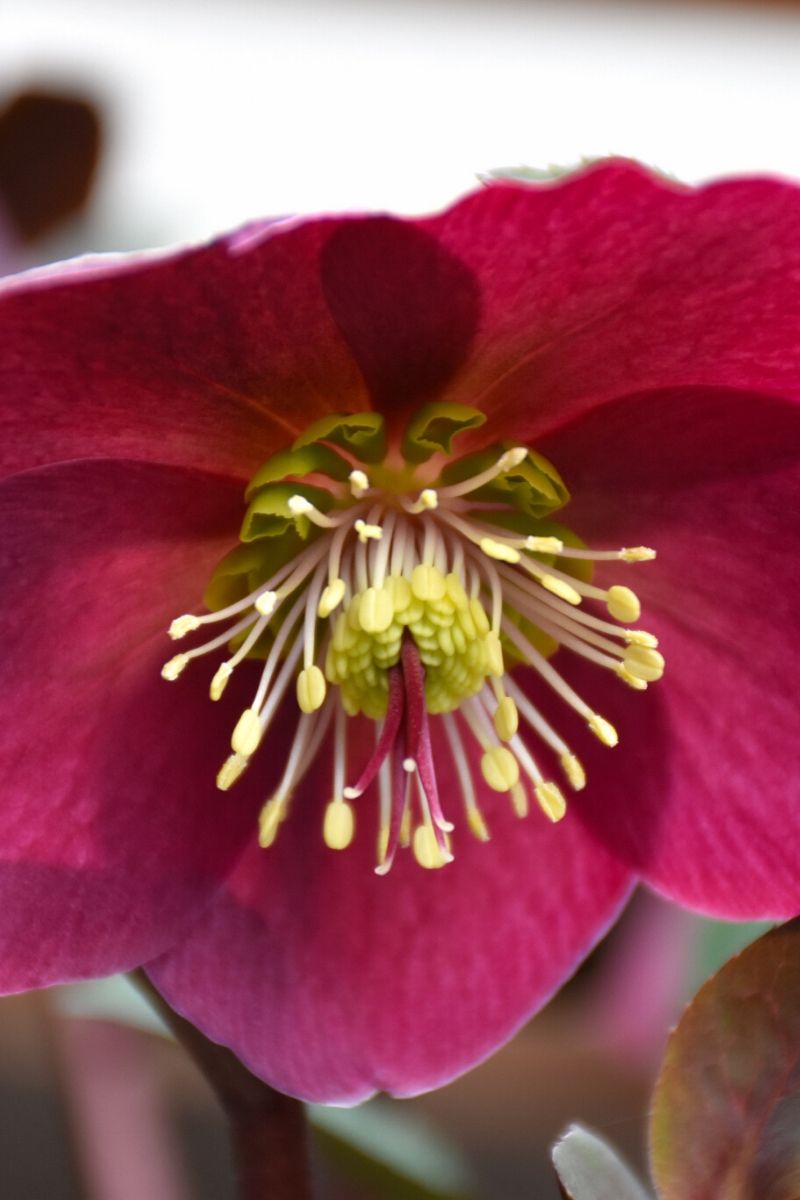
(726,1110)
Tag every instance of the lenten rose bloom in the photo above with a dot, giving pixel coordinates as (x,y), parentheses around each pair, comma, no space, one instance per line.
(431,634)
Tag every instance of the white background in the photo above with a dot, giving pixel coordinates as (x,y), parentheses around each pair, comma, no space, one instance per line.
(220,112)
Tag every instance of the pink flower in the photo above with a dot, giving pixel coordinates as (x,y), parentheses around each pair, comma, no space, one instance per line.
(643,338)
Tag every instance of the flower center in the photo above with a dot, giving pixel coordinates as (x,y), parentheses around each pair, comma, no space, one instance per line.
(393,586)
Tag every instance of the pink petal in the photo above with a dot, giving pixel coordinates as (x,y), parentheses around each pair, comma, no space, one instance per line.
(211,358)
(615,281)
(332,983)
(113,833)
(703,794)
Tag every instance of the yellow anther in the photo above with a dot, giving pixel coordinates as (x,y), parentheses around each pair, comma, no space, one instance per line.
(428,499)
(512,458)
(311,689)
(172,669)
(299,506)
(551,800)
(230,771)
(405,829)
(265,603)
(500,769)
(560,588)
(269,821)
(573,769)
(499,550)
(519,801)
(376,610)
(637,554)
(544,545)
(183,625)
(331,598)
(623,604)
(506,719)
(455,591)
(644,663)
(633,681)
(220,680)
(494,654)
(427,850)
(366,532)
(427,582)
(359,483)
(603,729)
(339,825)
(638,637)
(401,591)
(479,616)
(477,824)
(247,734)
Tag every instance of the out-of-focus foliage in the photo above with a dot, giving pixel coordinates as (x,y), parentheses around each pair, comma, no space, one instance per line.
(726,1109)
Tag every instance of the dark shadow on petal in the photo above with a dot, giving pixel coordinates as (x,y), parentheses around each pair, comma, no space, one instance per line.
(407,308)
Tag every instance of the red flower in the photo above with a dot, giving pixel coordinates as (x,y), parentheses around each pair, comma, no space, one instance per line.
(643,337)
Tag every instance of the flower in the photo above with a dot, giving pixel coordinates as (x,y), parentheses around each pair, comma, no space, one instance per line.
(639,338)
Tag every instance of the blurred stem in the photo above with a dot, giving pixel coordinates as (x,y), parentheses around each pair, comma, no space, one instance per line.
(268,1129)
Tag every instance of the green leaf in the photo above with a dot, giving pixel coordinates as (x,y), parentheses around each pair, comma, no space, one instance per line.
(306,460)
(385,1154)
(362,434)
(433,428)
(589,1169)
(726,1110)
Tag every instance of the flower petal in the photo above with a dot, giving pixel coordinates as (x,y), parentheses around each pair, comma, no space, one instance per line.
(615,280)
(408,308)
(210,358)
(113,834)
(706,803)
(332,983)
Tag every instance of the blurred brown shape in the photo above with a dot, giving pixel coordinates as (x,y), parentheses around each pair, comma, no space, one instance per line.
(49,150)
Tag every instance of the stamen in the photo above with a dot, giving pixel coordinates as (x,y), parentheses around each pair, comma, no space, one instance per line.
(544,545)
(246,734)
(603,729)
(551,800)
(418,595)
(230,771)
(644,663)
(499,550)
(339,825)
(265,603)
(183,625)
(172,669)
(628,554)
(500,768)
(331,598)
(506,462)
(428,499)
(506,719)
(359,483)
(311,689)
(475,817)
(220,680)
(366,532)
(623,604)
